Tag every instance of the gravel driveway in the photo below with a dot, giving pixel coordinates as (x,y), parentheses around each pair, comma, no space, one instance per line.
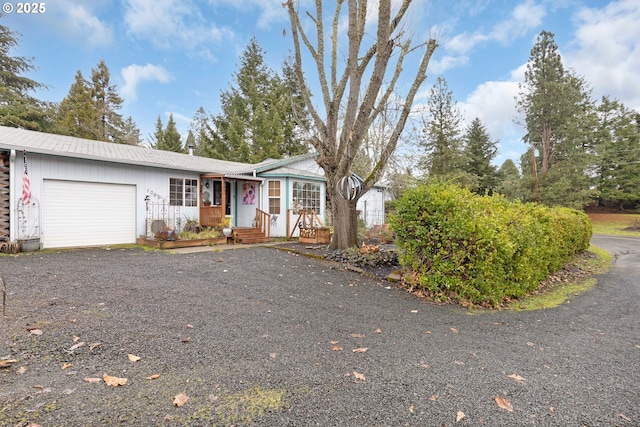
(265,337)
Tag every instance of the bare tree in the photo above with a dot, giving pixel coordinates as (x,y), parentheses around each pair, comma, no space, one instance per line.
(354,93)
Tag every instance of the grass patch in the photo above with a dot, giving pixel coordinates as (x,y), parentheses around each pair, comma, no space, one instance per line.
(244,407)
(573,280)
(613,223)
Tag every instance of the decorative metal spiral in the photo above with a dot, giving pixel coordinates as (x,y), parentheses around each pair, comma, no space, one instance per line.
(349,187)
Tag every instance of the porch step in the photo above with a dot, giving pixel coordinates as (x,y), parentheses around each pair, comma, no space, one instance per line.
(250,235)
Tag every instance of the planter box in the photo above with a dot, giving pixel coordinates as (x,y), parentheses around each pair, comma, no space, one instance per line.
(29,245)
(315,235)
(172,244)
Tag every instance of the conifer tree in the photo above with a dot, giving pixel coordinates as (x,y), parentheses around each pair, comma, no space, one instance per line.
(77,114)
(107,103)
(169,139)
(480,151)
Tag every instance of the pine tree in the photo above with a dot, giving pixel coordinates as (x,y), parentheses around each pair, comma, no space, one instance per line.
(618,164)
(479,152)
(107,102)
(509,180)
(559,118)
(441,135)
(130,132)
(258,114)
(17,107)
(157,139)
(77,115)
(169,139)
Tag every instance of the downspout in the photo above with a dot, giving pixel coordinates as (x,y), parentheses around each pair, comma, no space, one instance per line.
(12,196)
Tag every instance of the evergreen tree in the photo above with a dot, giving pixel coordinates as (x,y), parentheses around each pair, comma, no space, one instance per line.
(441,135)
(559,118)
(509,180)
(130,132)
(77,115)
(479,152)
(618,164)
(256,118)
(17,107)
(157,139)
(107,103)
(169,139)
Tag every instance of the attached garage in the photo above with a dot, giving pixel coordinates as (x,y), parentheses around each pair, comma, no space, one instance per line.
(79,213)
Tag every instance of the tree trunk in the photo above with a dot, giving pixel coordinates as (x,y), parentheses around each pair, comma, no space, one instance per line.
(345,223)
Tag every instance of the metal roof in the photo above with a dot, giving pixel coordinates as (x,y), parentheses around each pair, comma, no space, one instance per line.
(69,146)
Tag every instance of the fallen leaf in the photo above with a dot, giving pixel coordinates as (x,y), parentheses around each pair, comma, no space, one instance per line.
(67,365)
(36,332)
(433,398)
(624,417)
(336,347)
(94,345)
(77,345)
(357,335)
(457,362)
(73,320)
(414,311)
(21,370)
(189,326)
(76,339)
(114,381)
(455,331)
(38,387)
(69,391)
(378,331)
(359,376)
(530,344)
(7,363)
(180,399)
(334,342)
(504,403)
(92,380)
(186,340)
(153,377)
(411,409)
(273,355)
(459,416)
(517,378)
(133,358)
(360,350)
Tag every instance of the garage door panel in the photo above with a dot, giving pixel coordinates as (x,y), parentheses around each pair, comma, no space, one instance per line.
(87,214)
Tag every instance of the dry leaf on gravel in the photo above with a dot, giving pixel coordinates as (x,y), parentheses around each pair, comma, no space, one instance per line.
(356,335)
(92,380)
(359,376)
(459,416)
(94,345)
(360,350)
(378,331)
(336,347)
(133,358)
(180,399)
(21,370)
(67,365)
(77,345)
(504,403)
(433,398)
(153,377)
(114,381)
(76,338)
(517,378)
(36,332)
(455,330)
(7,363)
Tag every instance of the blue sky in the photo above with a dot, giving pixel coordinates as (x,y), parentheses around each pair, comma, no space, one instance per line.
(174,56)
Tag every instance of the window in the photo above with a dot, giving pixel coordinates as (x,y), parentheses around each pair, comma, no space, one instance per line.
(183,192)
(306,195)
(274,197)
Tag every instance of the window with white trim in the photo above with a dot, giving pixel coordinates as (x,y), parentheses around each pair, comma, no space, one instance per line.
(183,192)
(274,197)
(306,195)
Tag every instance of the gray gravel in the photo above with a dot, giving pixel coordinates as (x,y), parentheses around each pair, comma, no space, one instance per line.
(265,337)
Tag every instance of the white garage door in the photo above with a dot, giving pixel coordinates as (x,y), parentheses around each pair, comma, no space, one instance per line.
(78,213)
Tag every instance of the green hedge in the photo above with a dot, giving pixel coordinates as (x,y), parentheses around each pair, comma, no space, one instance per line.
(483,249)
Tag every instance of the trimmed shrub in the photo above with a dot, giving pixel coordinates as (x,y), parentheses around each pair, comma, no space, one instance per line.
(484,249)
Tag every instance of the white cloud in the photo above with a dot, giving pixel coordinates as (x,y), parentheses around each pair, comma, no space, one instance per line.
(135,74)
(524,17)
(439,66)
(172,24)
(606,50)
(81,24)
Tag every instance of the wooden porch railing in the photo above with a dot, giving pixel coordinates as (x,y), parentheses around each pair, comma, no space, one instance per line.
(211,216)
(263,222)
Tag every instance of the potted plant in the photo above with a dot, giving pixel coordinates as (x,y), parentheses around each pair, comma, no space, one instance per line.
(227,230)
(206,201)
